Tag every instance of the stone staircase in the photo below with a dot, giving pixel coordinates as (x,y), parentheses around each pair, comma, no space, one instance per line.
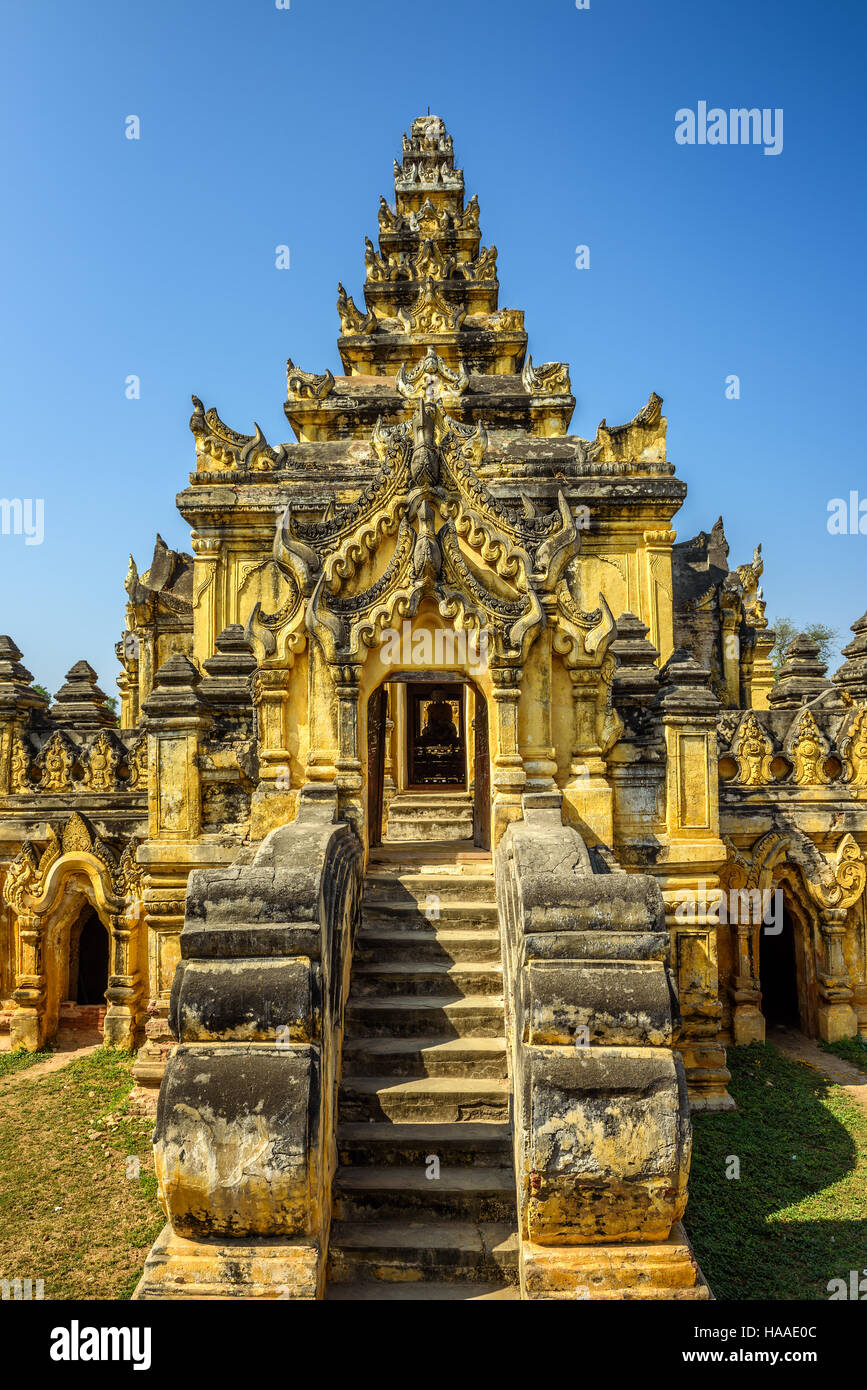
(415,816)
(424,1194)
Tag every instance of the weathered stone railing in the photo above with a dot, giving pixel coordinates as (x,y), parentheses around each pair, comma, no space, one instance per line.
(601,1115)
(245,1143)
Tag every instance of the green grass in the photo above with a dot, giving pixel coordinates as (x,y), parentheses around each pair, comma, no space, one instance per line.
(19,1061)
(72,1211)
(795,1218)
(851,1050)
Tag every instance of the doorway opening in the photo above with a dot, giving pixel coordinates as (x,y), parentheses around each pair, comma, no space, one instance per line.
(778,973)
(428,760)
(436,751)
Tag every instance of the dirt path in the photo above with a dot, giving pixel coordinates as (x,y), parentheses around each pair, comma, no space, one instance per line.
(836,1069)
(69,1046)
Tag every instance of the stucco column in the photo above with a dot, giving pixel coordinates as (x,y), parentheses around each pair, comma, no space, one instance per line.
(208,619)
(322,706)
(837,1018)
(123,980)
(534,717)
(347,680)
(509,779)
(27,1025)
(748,1021)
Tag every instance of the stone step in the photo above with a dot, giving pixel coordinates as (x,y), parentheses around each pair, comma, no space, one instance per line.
(473,1016)
(435,977)
(408,1194)
(433,914)
(423,800)
(428,823)
(448,885)
(382,944)
(425,1056)
(436,1099)
(392,1252)
(405,831)
(421,1291)
(399,1145)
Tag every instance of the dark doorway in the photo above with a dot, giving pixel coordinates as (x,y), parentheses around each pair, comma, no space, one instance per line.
(436,743)
(92,961)
(778,975)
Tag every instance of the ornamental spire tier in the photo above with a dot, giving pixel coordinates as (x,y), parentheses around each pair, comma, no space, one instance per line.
(431,326)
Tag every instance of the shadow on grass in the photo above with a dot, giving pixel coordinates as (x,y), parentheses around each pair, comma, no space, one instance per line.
(796,1217)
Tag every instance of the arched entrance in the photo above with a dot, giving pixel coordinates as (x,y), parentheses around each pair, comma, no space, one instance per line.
(428,737)
(80,945)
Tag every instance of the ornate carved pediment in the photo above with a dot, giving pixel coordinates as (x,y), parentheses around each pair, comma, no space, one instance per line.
(754,751)
(432,313)
(835,883)
(853,750)
(431,379)
(100,769)
(27,876)
(138,765)
(431,263)
(20,758)
(56,759)
(808,749)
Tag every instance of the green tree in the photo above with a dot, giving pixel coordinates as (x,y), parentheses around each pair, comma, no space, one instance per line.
(787,631)
(40,690)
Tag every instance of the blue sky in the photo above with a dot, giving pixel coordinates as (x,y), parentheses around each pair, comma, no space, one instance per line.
(261,127)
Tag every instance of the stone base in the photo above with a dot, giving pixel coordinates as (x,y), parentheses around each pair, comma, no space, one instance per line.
(589,809)
(748,1025)
(667,1270)
(836,1022)
(707,1075)
(223,1269)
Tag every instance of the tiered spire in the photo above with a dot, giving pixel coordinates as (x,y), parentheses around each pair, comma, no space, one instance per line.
(431,283)
(80,703)
(431,326)
(852,675)
(802,675)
